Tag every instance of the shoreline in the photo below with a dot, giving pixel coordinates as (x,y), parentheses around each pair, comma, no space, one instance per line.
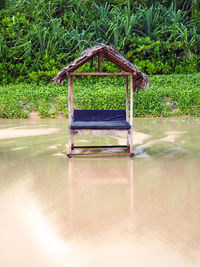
(60,117)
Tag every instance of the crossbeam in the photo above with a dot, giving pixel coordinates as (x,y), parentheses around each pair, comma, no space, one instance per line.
(117,146)
(100,73)
(99,155)
(121,132)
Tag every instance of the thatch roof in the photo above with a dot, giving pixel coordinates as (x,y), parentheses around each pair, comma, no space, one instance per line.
(111,54)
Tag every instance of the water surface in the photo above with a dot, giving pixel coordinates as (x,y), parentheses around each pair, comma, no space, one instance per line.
(87,212)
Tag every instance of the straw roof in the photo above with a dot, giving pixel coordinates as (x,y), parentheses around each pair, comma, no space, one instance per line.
(111,54)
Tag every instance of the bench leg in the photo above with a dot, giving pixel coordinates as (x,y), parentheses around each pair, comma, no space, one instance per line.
(72,139)
(69,152)
(131,142)
(128,138)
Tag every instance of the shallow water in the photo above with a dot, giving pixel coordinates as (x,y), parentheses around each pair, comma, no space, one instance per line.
(76,212)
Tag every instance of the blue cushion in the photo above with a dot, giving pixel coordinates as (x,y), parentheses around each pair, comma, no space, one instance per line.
(100,125)
(99,115)
(100,119)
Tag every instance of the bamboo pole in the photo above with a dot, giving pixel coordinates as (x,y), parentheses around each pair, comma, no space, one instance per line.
(127,100)
(100,73)
(70,110)
(101,154)
(127,112)
(131,115)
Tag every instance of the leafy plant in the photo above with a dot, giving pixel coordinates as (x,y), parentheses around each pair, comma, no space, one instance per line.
(168,95)
(37,38)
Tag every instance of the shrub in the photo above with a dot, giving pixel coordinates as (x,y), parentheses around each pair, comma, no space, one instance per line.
(168,95)
(37,38)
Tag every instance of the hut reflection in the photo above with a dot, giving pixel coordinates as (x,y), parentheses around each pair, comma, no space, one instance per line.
(100,193)
(85,199)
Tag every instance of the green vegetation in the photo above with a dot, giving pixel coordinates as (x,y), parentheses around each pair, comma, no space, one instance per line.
(38,37)
(168,95)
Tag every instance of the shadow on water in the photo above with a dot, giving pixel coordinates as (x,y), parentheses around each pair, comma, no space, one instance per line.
(101,211)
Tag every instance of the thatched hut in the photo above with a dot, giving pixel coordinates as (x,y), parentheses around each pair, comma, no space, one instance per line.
(102,122)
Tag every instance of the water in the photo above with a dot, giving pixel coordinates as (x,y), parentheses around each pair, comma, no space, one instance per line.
(76,212)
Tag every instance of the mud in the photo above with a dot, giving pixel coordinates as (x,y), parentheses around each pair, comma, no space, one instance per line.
(100,211)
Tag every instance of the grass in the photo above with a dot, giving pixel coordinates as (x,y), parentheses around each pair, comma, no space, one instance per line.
(168,95)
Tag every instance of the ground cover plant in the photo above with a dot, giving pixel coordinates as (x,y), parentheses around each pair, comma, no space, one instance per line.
(168,95)
(39,37)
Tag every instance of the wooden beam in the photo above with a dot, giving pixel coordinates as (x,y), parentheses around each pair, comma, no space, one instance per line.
(127,100)
(100,132)
(127,111)
(131,115)
(100,60)
(70,110)
(117,146)
(70,98)
(99,155)
(99,73)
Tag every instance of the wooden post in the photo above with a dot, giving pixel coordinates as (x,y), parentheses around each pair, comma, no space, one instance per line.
(127,100)
(100,73)
(100,59)
(127,112)
(70,113)
(131,115)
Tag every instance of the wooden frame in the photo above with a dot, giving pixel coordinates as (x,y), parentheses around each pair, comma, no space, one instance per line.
(100,73)
(129,118)
(121,132)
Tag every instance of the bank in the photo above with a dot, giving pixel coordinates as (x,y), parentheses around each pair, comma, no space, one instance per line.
(168,95)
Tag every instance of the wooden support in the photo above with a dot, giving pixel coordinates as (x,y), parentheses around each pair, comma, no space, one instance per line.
(72,139)
(99,155)
(97,147)
(127,100)
(95,132)
(131,115)
(70,112)
(127,111)
(128,132)
(100,60)
(72,98)
(99,73)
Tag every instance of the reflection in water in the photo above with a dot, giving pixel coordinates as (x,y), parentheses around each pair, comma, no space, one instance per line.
(101,211)
(27,236)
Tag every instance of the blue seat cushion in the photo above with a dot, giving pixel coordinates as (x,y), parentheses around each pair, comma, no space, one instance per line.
(100,125)
(99,119)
